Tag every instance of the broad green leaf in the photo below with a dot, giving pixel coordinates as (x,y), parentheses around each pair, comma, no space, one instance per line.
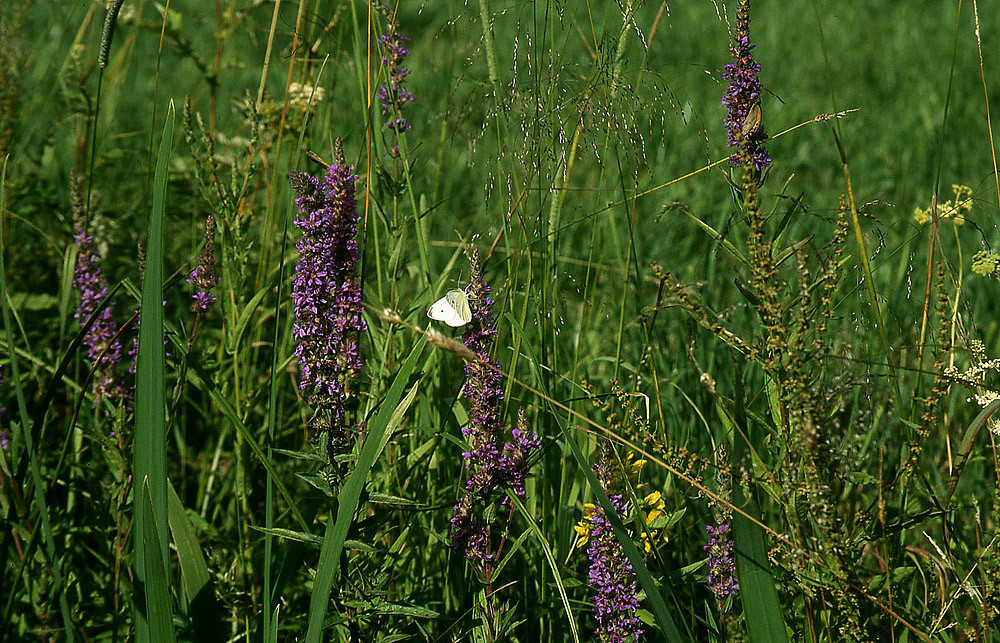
(150,444)
(158,614)
(194,570)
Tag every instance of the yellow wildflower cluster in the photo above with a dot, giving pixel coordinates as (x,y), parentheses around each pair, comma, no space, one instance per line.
(652,507)
(954,209)
(986,264)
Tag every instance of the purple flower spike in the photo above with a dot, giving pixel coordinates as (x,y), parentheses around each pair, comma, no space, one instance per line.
(721,564)
(327,298)
(494,461)
(204,277)
(743,93)
(616,600)
(103,350)
(393,95)
(100,342)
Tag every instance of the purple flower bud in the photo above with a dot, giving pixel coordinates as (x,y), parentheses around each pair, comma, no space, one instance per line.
(616,598)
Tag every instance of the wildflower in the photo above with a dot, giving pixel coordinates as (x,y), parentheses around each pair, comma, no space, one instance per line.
(655,518)
(494,461)
(654,515)
(954,208)
(986,264)
(392,94)
(611,576)
(721,564)
(203,277)
(652,507)
(584,527)
(976,377)
(301,94)
(103,350)
(742,97)
(327,298)
(469,532)
(634,465)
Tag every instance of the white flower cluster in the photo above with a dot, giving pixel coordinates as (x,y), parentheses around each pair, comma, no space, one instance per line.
(300,94)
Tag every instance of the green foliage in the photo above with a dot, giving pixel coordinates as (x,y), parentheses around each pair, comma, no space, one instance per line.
(811,355)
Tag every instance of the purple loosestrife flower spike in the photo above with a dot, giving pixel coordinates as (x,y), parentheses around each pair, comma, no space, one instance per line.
(103,350)
(743,94)
(327,299)
(616,601)
(721,564)
(494,462)
(204,277)
(392,94)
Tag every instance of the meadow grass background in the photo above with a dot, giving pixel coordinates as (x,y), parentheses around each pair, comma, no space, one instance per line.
(556,165)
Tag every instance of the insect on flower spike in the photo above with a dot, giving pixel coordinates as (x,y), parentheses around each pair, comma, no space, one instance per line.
(452,309)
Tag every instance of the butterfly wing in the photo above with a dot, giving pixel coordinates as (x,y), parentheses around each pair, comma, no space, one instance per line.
(443,310)
(452,309)
(440,310)
(459,302)
(751,122)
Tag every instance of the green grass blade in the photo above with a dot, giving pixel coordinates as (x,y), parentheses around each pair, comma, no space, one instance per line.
(199,592)
(760,599)
(234,338)
(967,441)
(726,243)
(200,379)
(155,587)
(194,570)
(551,560)
(150,444)
(870,286)
(380,428)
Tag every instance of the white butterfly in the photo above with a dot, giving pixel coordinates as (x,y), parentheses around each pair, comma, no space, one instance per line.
(452,309)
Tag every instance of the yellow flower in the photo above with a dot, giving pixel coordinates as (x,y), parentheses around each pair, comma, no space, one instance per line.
(953,209)
(583,527)
(633,466)
(655,508)
(985,263)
